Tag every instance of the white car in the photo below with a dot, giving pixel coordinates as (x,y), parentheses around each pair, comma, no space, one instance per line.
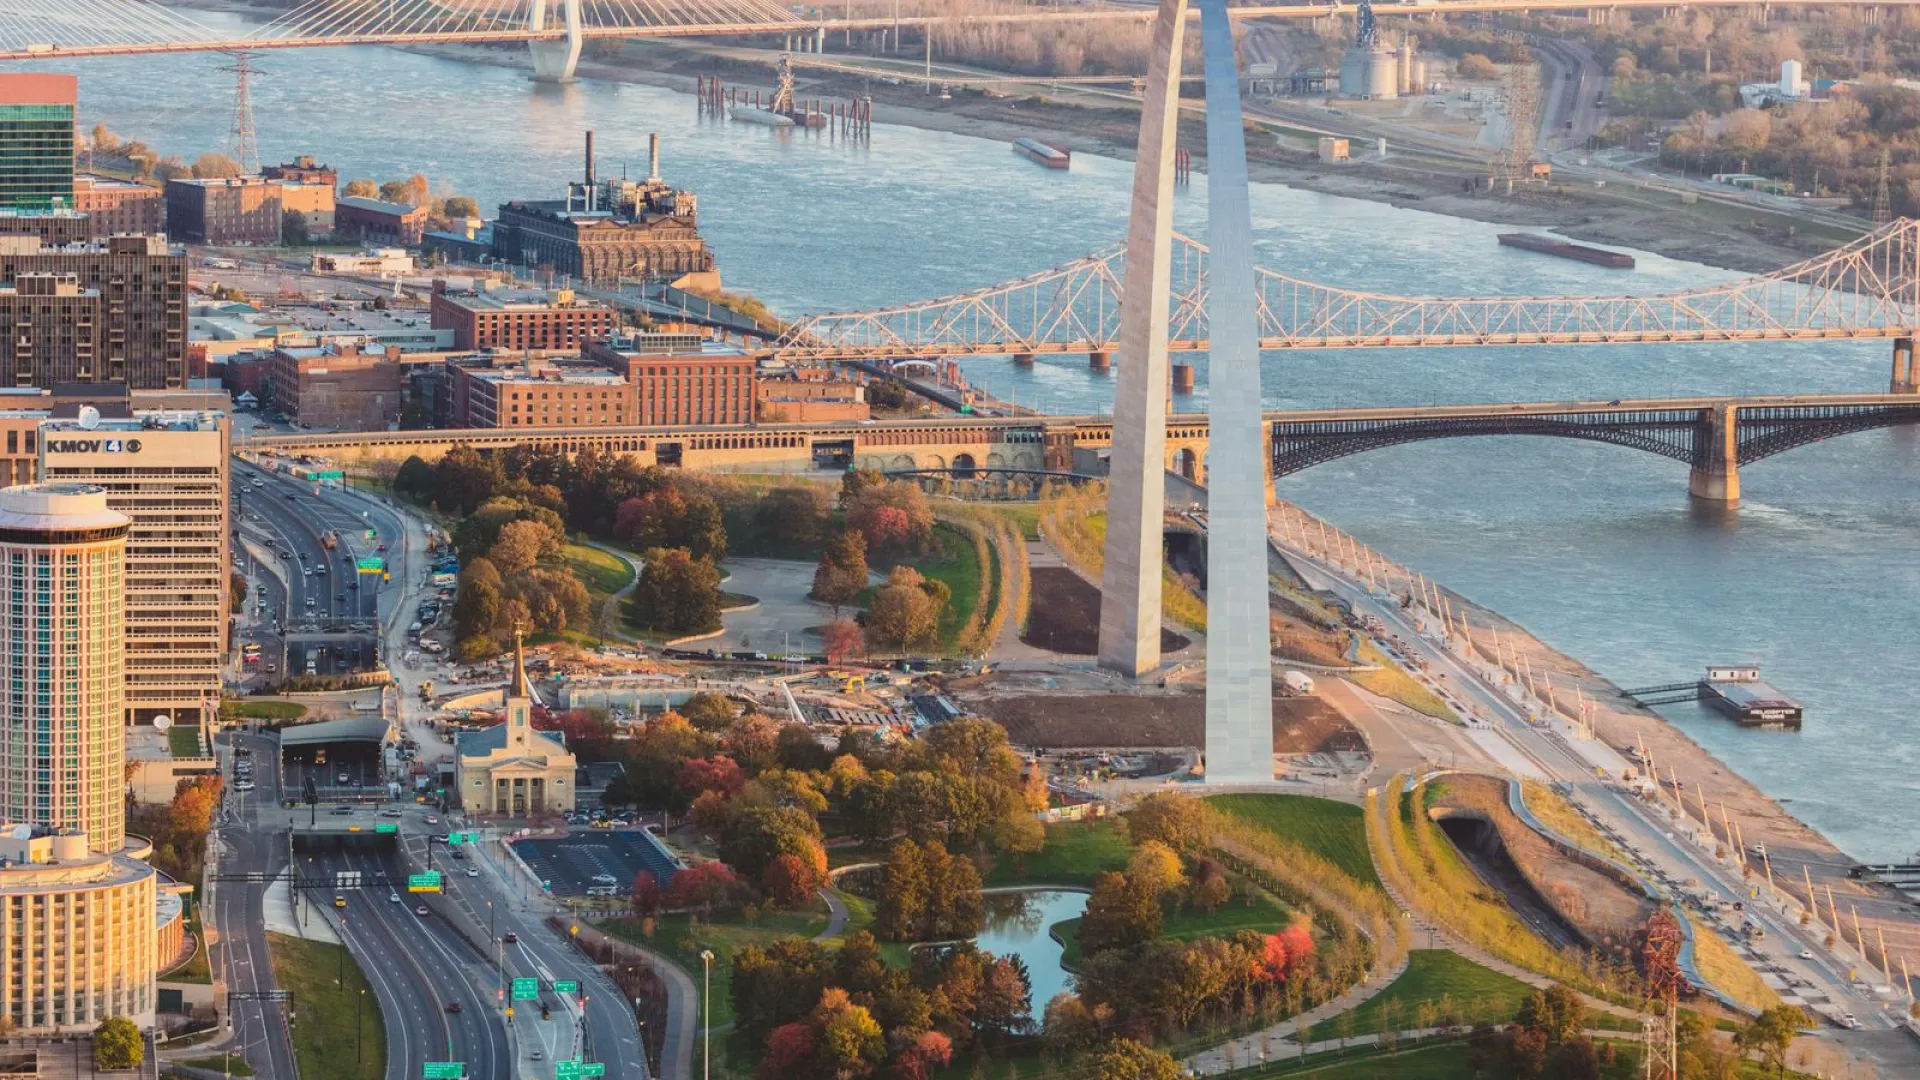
(393,898)
(472,872)
(1806,954)
(244,785)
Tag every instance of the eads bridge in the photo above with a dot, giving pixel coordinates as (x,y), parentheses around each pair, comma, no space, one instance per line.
(1713,436)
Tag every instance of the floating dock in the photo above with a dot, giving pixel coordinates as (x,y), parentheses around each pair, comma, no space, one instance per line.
(749,115)
(1547,245)
(1034,150)
(1736,690)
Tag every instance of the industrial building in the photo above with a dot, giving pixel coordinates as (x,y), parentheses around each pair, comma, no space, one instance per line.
(167,471)
(545,393)
(695,382)
(63,557)
(523,320)
(339,387)
(36,139)
(377,222)
(607,231)
(142,285)
(223,212)
(808,401)
(119,206)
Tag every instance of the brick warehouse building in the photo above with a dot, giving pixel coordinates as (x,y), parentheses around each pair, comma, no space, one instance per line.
(539,321)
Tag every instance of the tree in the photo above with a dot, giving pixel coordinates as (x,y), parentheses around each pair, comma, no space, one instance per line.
(676,593)
(1211,889)
(1770,1034)
(293,229)
(706,886)
(842,638)
(395,191)
(117,1044)
(361,189)
(790,881)
(415,478)
(910,527)
(1124,1059)
(215,167)
(930,1050)
(461,207)
(1155,868)
(1557,1012)
(1175,820)
(790,515)
(789,1051)
(1119,915)
(903,612)
(717,773)
(842,571)
(104,140)
(647,893)
(710,712)
(851,1043)
(756,835)
(1476,66)
(521,544)
(1006,998)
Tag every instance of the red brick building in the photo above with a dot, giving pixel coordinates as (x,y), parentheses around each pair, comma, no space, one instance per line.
(119,206)
(379,222)
(548,395)
(233,210)
(337,387)
(705,385)
(542,322)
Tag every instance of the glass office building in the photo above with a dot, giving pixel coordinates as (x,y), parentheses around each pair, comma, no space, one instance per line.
(36,140)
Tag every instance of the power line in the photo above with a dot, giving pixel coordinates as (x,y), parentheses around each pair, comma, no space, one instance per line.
(242,146)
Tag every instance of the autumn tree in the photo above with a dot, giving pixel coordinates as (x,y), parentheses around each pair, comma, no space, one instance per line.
(1124,1059)
(647,893)
(790,881)
(790,516)
(117,1044)
(842,570)
(1770,1034)
(1119,914)
(361,189)
(395,191)
(903,612)
(710,712)
(841,639)
(1178,821)
(757,835)
(1156,869)
(893,515)
(215,167)
(676,593)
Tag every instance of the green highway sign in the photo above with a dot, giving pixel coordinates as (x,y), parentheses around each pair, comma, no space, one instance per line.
(463,838)
(372,564)
(566,1070)
(526,989)
(443,1070)
(427,882)
(386,827)
(334,474)
(593,1068)
(566,986)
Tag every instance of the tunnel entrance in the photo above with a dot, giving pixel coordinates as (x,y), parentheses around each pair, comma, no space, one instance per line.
(1479,843)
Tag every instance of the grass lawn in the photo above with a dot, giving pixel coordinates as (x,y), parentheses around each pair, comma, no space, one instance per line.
(1335,831)
(323,1040)
(184,741)
(263,710)
(1186,924)
(731,600)
(1477,993)
(231,1065)
(602,572)
(958,566)
(680,939)
(1075,852)
(1438,1061)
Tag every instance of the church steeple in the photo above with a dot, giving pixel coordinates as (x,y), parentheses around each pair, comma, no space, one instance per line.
(519,696)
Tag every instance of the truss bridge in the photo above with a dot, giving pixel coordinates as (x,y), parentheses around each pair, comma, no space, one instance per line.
(1869,288)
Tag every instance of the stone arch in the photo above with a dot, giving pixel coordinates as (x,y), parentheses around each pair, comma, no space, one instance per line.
(963,466)
(1186,463)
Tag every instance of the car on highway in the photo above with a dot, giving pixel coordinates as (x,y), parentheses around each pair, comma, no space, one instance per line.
(339,901)
(420,909)
(453,1006)
(341,778)
(393,898)
(1806,954)
(472,872)
(244,785)
(389,813)
(431,820)
(510,937)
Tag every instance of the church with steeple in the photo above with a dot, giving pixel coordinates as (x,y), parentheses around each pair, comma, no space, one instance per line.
(511,770)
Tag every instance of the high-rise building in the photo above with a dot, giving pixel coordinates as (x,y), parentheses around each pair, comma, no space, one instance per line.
(84,930)
(63,557)
(142,283)
(36,139)
(54,326)
(166,471)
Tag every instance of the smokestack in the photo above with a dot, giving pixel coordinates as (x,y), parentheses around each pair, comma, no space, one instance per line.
(589,159)
(653,155)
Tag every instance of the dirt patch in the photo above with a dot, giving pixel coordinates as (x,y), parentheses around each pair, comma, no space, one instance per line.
(1117,721)
(1066,615)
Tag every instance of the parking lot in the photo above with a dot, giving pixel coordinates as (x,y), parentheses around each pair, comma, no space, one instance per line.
(570,864)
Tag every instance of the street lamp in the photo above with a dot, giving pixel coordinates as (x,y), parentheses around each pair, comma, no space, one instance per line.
(358,1009)
(706,1017)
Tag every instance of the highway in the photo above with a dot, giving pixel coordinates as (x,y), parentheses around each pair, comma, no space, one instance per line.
(1575,86)
(239,957)
(418,967)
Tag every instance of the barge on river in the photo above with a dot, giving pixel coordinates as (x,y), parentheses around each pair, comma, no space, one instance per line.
(1034,150)
(1736,690)
(1547,245)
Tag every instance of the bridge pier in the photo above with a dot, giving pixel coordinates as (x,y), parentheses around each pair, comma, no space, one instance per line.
(1024,359)
(1136,494)
(1715,477)
(1904,379)
(555,60)
(1100,360)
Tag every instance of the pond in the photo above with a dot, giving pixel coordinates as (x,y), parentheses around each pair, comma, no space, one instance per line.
(1017,925)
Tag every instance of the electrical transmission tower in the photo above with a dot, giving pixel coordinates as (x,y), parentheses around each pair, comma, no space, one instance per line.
(1660,1008)
(1882,199)
(242,147)
(1515,159)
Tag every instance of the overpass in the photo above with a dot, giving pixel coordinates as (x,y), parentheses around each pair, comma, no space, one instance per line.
(555,29)
(1713,436)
